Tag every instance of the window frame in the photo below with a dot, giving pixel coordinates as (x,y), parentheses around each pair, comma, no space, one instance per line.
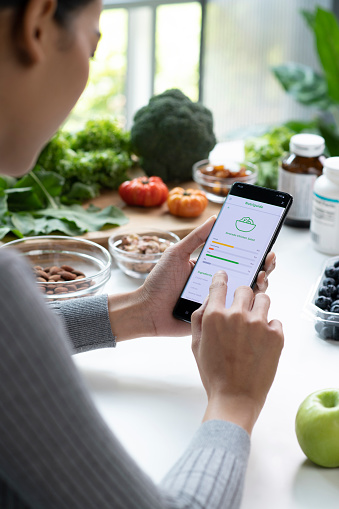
(142,21)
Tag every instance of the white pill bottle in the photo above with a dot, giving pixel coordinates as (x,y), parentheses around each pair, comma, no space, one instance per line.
(325,209)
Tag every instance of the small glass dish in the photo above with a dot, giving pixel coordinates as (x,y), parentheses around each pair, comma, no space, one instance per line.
(55,251)
(326,321)
(211,177)
(141,255)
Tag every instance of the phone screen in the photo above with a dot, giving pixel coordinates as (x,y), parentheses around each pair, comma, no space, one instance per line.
(241,237)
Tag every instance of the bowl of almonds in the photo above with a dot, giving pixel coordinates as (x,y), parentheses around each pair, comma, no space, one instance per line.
(136,252)
(65,267)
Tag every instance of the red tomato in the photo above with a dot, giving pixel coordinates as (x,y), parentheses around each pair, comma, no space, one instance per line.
(144,191)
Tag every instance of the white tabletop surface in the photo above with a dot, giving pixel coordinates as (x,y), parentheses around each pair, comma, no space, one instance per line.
(150,394)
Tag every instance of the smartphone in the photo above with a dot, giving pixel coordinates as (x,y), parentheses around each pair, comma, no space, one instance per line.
(242,235)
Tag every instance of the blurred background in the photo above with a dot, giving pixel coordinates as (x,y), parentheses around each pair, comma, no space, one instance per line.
(217,51)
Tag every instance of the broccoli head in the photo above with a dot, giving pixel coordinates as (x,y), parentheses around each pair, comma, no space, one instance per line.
(170,134)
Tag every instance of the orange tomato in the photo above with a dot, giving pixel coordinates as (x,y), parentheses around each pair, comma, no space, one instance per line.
(186,202)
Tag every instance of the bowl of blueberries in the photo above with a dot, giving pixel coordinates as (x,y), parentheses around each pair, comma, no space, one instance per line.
(324,301)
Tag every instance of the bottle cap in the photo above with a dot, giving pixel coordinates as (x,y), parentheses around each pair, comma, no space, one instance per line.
(307,145)
(331,166)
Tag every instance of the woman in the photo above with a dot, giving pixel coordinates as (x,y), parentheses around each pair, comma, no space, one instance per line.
(55,449)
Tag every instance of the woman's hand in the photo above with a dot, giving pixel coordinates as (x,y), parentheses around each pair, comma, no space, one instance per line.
(148,310)
(237,351)
(163,286)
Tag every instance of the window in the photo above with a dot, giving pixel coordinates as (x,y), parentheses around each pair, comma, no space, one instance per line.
(104,95)
(144,49)
(242,40)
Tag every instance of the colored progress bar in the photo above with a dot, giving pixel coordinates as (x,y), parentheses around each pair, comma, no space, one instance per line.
(221,244)
(219,258)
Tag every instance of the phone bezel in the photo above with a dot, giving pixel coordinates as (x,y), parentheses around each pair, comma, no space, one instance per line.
(184,308)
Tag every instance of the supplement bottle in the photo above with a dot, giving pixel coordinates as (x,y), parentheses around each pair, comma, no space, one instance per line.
(325,209)
(298,173)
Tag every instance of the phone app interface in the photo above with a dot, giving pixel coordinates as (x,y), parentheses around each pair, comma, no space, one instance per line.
(237,245)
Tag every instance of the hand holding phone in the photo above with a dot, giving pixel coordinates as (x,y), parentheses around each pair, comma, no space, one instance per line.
(244,232)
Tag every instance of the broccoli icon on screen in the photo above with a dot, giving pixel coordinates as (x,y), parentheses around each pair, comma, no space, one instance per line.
(245,224)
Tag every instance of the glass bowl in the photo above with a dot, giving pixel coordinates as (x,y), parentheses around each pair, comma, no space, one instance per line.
(216,180)
(90,261)
(136,251)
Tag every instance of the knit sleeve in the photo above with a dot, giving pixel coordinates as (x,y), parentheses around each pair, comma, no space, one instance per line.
(87,322)
(212,470)
(57,452)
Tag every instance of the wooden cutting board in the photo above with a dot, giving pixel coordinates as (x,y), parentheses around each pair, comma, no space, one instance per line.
(152,217)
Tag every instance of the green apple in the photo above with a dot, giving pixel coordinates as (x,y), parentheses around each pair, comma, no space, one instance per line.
(317,427)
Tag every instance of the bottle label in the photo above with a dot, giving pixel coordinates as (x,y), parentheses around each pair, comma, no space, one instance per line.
(301,188)
(325,224)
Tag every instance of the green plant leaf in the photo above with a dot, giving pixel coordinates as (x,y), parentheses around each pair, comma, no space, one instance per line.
(4,230)
(45,226)
(300,126)
(326,30)
(45,185)
(85,220)
(6,226)
(23,199)
(331,136)
(24,222)
(3,204)
(79,193)
(309,17)
(303,84)
(6,182)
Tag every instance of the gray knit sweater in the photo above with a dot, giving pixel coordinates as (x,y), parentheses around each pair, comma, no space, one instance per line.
(56,451)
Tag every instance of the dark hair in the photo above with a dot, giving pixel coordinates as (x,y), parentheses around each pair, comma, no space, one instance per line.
(63,10)
(62,16)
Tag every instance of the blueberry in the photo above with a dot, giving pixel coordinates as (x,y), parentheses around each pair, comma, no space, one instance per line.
(328,291)
(329,281)
(333,290)
(335,308)
(335,303)
(323,302)
(330,272)
(336,264)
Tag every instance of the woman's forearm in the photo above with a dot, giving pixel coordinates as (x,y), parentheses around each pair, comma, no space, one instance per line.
(129,317)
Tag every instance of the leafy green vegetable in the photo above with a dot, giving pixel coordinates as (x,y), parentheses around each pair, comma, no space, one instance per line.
(36,210)
(3,203)
(84,220)
(101,135)
(80,192)
(70,170)
(6,182)
(266,152)
(170,134)
(96,157)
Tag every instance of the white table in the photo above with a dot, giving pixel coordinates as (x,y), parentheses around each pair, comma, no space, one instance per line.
(150,393)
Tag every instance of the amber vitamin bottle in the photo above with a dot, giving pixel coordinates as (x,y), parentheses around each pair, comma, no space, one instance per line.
(298,173)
